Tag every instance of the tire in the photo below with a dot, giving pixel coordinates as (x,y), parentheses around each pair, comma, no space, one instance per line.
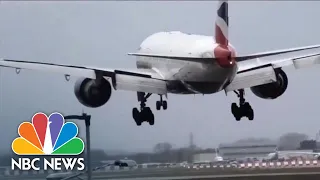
(138,122)
(250,114)
(158,105)
(164,105)
(148,115)
(136,116)
(238,117)
(236,111)
(234,108)
(151,120)
(248,111)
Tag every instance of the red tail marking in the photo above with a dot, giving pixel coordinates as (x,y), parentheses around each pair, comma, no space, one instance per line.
(220,38)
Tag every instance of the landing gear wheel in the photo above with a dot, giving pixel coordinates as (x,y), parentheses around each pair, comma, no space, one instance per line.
(164,105)
(244,109)
(234,108)
(236,111)
(151,119)
(136,116)
(158,105)
(248,111)
(251,114)
(148,115)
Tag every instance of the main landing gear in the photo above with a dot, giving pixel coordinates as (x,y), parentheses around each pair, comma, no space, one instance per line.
(145,113)
(244,109)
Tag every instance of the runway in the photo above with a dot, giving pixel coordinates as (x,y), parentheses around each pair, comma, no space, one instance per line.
(183,173)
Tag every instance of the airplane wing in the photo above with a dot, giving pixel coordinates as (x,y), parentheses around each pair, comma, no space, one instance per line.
(250,70)
(275,52)
(141,80)
(257,72)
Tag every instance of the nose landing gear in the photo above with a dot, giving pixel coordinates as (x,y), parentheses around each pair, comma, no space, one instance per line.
(244,109)
(162,104)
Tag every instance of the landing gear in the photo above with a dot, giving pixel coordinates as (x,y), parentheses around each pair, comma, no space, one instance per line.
(145,113)
(244,109)
(162,104)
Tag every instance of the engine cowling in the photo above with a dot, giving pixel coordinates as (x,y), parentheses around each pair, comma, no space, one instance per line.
(272,90)
(91,94)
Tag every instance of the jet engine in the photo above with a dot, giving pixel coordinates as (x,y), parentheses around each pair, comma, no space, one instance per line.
(91,93)
(272,90)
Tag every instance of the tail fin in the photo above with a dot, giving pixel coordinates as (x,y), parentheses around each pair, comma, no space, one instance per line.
(222,23)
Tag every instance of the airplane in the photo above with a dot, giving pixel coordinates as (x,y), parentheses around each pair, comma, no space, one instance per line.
(276,155)
(218,158)
(180,63)
(273,156)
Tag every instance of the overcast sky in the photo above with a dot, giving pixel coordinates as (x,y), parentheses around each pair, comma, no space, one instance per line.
(101,33)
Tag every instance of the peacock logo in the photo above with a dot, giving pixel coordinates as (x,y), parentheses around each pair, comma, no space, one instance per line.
(48,136)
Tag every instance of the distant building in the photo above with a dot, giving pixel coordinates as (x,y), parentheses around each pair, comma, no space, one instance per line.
(240,151)
(308,144)
(318,147)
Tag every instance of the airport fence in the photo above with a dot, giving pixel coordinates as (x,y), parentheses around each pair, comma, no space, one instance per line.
(284,164)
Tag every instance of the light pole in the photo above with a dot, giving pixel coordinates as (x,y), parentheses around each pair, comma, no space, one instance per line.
(87,119)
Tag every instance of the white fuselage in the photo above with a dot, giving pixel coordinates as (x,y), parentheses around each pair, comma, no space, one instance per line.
(183,76)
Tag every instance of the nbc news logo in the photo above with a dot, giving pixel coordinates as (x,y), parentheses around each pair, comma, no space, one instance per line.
(51,137)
